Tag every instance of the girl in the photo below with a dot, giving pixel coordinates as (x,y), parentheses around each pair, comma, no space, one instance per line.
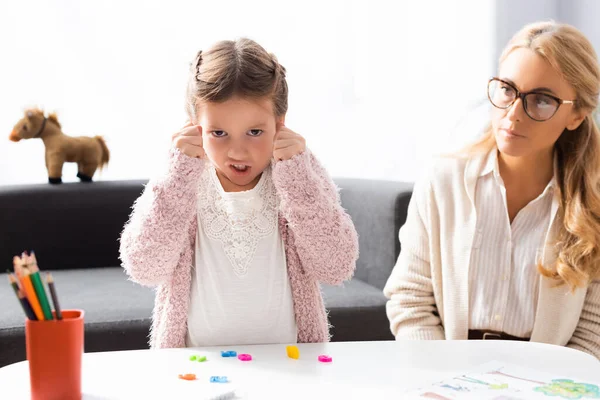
(246,223)
(504,241)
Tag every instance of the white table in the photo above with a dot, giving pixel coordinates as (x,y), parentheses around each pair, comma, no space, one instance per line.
(375,370)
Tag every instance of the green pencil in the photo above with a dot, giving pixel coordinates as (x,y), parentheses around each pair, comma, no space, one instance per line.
(39,287)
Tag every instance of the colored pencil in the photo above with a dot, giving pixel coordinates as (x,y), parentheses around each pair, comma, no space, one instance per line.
(8,273)
(50,282)
(13,282)
(39,287)
(26,306)
(30,293)
(17,267)
(22,299)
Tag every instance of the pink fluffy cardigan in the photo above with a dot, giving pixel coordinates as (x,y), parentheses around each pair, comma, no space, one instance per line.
(158,242)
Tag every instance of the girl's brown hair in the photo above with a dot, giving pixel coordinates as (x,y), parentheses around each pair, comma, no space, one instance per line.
(236,68)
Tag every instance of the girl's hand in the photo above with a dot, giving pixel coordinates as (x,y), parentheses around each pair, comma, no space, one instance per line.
(287,144)
(189,141)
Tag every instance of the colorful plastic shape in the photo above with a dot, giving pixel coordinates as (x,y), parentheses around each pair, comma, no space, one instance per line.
(187,377)
(293,352)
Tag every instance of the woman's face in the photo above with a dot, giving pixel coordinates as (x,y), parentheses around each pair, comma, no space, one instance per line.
(516,133)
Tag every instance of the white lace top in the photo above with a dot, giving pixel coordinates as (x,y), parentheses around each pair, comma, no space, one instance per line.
(240,291)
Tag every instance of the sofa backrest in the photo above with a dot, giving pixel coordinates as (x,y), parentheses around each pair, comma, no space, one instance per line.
(76,225)
(73,225)
(378,210)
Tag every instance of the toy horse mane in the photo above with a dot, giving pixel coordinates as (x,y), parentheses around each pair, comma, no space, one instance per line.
(54,119)
(51,117)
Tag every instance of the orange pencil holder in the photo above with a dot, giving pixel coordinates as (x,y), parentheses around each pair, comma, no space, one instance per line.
(54,350)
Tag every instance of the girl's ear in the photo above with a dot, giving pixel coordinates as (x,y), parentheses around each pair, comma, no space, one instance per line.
(280,122)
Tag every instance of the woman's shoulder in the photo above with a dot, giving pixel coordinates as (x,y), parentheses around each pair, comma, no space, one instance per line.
(448,173)
(443,168)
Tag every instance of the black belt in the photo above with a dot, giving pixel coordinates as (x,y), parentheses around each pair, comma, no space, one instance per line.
(490,335)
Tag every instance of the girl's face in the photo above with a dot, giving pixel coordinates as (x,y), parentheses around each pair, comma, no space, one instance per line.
(517,134)
(238,136)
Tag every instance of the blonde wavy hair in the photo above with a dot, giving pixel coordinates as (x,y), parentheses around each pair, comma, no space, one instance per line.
(577,170)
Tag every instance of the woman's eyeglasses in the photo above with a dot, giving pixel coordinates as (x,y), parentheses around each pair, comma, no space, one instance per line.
(537,105)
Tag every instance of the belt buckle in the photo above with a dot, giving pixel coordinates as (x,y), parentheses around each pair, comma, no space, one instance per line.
(491,336)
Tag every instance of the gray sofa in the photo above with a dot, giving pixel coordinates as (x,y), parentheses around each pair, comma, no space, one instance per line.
(74,230)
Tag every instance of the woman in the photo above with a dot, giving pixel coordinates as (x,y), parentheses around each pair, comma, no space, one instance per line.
(503,240)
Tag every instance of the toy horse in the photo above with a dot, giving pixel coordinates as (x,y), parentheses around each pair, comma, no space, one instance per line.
(88,152)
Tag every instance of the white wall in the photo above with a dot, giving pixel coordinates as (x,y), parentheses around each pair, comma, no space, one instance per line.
(585,15)
(375,86)
(512,15)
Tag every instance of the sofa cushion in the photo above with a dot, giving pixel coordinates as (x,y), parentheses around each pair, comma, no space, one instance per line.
(356,312)
(117,311)
(104,294)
